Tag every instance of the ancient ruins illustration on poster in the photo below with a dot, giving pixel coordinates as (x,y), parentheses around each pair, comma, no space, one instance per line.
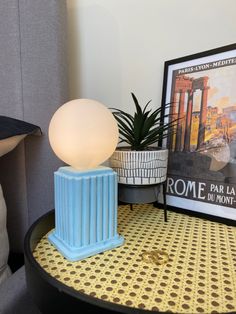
(202,161)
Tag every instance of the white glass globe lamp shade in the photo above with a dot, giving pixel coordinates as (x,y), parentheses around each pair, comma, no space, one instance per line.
(83,133)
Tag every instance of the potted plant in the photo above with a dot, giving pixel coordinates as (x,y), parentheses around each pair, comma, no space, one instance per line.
(142,162)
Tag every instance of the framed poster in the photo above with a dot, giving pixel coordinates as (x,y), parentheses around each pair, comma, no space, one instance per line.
(202,149)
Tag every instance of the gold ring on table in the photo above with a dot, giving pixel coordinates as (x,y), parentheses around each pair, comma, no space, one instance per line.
(157,257)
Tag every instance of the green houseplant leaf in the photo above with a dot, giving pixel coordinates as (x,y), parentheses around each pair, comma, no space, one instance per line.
(144,128)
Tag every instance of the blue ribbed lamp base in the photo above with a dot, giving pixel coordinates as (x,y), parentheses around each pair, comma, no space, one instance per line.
(85,212)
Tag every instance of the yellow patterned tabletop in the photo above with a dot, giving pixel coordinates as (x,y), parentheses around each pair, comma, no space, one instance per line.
(199,277)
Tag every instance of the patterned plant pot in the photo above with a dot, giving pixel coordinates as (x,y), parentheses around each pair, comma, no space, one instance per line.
(140,167)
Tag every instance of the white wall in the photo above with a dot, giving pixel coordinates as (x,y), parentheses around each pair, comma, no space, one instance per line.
(119,46)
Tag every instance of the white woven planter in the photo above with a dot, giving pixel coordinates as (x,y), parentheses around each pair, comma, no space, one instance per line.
(140,167)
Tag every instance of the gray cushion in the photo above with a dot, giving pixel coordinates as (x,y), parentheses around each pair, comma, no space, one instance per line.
(14,296)
(4,247)
(12,131)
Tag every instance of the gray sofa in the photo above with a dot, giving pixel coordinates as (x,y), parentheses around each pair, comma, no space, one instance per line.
(33,84)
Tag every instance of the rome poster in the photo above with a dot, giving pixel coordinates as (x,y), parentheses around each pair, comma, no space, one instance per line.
(201,90)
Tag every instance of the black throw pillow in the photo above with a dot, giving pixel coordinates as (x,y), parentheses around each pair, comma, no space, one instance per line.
(12,127)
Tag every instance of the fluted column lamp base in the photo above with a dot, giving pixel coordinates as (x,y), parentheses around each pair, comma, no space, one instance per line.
(85,212)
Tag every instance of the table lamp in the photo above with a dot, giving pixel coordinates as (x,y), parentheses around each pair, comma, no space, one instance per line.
(83,133)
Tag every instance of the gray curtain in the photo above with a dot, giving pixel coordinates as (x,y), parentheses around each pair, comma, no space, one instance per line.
(33,84)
